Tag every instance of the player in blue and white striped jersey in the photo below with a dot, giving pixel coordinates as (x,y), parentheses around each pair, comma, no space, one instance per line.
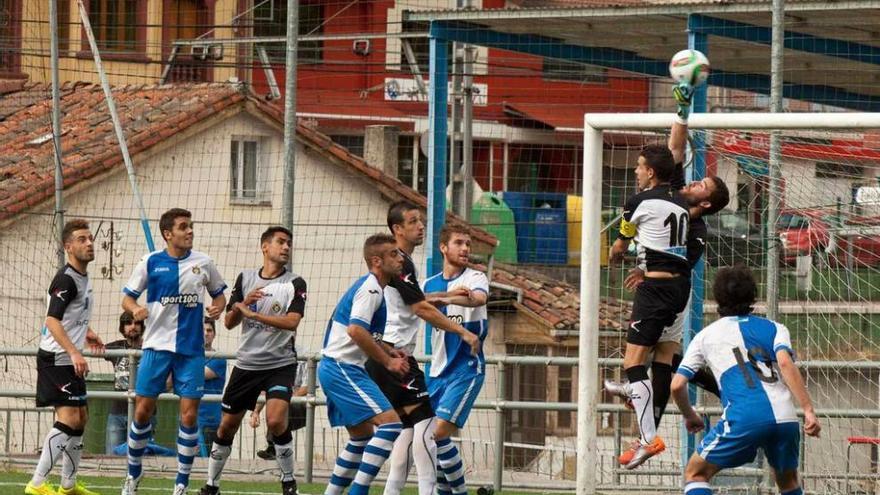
(175,280)
(354,401)
(752,358)
(456,376)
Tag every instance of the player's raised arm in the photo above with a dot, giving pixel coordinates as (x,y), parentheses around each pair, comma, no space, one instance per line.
(683,94)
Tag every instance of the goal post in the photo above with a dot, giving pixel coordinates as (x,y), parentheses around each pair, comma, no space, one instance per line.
(595,125)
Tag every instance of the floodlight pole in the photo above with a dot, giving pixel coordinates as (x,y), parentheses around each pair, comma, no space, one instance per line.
(56,129)
(287,199)
(438,69)
(775,160)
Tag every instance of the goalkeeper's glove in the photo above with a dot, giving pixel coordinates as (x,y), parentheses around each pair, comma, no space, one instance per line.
(683,94)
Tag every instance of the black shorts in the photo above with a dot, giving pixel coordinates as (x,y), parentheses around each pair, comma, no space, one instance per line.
(411,389)
(657,303)
(245,386)
(59,386)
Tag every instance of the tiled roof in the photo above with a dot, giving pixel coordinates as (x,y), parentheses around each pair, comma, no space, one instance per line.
(555,302)
(149,115)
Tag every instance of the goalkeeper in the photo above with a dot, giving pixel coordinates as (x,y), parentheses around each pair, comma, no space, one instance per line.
(704,197)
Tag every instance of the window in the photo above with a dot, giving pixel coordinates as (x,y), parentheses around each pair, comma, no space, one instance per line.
(354,144)
(63,19)
(555,69)
(245,167)
(421,48)
(10,38)
(116,24)
(564,389)
(830,170)
(270,19)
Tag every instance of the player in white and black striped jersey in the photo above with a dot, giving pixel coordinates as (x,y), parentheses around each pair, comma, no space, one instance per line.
(658,219)
(705,196)
(61,367)
(269,303)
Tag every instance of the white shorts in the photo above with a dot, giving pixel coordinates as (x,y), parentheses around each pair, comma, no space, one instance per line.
(675,332)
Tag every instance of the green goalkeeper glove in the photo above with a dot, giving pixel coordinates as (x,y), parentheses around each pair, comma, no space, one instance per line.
(683,94)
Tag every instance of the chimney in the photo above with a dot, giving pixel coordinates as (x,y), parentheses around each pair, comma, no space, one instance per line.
(380,148)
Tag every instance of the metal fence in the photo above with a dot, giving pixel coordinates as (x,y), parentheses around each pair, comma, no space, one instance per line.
(485,456)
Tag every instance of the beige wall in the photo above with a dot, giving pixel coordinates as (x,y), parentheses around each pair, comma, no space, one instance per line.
(36,46)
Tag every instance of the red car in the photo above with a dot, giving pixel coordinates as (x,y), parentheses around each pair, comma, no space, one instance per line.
(809,231)
(802,232)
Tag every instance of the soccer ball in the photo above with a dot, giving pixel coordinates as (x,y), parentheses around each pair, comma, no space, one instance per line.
(689,66)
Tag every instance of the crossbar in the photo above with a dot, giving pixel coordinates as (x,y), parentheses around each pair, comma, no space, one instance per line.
(764,121)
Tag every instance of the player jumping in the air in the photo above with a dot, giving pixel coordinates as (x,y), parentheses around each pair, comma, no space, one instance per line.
(704,197)
(658,219)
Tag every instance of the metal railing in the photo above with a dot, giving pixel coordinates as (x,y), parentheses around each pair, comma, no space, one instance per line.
(499,405)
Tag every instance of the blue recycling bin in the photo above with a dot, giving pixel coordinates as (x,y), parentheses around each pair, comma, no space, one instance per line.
(541,226)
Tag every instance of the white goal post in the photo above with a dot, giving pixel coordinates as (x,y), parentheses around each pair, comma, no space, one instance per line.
(594,126)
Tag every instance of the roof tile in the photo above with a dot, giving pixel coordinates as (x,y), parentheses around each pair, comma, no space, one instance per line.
(557,303)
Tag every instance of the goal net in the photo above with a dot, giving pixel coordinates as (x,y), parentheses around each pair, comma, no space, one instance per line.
(828,238)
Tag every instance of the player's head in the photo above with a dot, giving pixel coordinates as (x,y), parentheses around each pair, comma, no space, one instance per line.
(210,332)
(656,165)
(405,221)
(129,328)
(382,255)
(177,228)
(735,290)
(709,194)
(455,244)
(275,244)
(78,241)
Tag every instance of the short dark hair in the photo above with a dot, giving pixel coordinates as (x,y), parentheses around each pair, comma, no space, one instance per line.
(735,290)
(72,226)
(452,228)
(210,323)
(660,159)
(371,245)
(271,231)
(166,221)
(719,197)
(125,318)
(396,211)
